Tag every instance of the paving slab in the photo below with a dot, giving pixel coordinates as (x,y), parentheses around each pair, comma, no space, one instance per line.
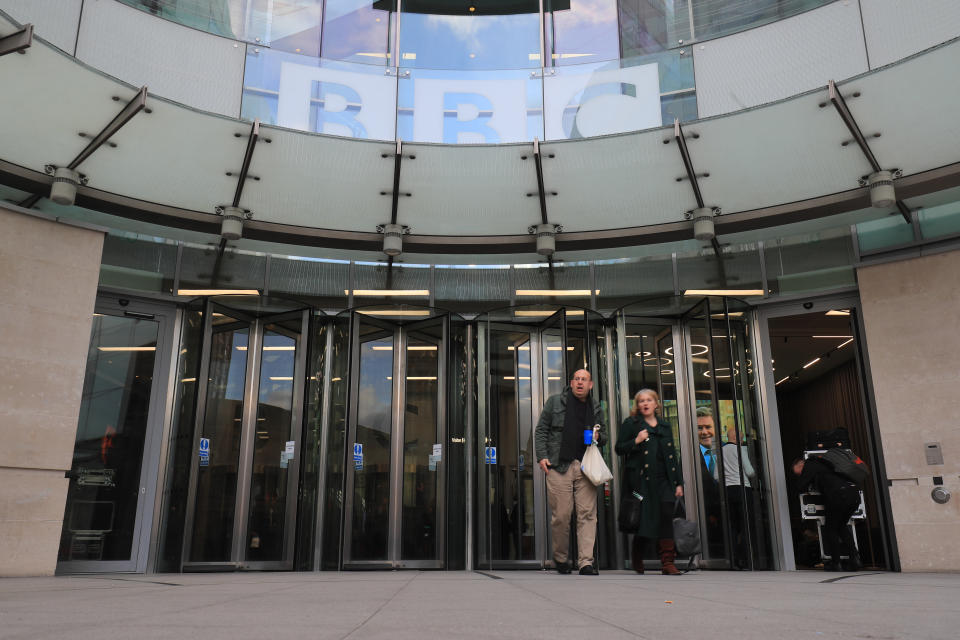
(504,604)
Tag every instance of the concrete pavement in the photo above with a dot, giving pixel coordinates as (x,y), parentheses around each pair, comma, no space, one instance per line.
(506,604)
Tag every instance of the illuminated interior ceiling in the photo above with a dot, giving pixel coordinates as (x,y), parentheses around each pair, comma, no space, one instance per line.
(782,163)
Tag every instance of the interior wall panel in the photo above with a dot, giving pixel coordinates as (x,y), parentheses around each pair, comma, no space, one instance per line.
(55,21)
(779,60)
(895,29)
(189,66)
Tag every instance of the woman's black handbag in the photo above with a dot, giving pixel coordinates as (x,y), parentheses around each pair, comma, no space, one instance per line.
(686,535)
(630,508)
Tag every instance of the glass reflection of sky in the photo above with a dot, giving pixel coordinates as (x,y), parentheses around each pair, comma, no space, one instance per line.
(237,373)
(356,31)
(470,42)
(276,371)
(376,384)
(587,31)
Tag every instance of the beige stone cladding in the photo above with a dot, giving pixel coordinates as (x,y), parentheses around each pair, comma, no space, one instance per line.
(911,311)
(48,285)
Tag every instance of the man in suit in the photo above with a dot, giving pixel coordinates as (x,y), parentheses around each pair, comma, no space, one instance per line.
(710,489)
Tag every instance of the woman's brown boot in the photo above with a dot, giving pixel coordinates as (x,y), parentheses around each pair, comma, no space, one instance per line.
(668,554)
(636,553)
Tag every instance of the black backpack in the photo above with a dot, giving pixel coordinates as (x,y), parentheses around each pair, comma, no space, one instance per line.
(847,464)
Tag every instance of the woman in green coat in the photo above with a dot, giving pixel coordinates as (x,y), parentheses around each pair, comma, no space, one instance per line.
(652,469)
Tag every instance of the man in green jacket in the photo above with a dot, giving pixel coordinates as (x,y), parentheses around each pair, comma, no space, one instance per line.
(567,419)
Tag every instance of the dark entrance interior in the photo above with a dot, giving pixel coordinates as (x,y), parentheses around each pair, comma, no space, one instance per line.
(820,388)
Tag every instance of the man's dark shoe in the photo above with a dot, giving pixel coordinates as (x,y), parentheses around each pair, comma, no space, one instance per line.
(588,570)
(853,563)
(831,566)
(563,568)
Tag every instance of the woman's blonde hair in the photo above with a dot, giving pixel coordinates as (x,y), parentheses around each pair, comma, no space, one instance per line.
(635,408)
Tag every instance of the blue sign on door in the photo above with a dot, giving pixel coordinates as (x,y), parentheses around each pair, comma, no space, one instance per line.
(358,456)
(204,452)
(490,455)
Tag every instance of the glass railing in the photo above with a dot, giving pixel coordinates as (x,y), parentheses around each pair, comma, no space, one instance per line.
(487,106)
(812,262)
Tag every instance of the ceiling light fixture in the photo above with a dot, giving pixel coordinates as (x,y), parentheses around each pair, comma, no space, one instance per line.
(395,312)
(218,292)
(838,312)
(811,363)
(388,292)
(723,292)
(544,314)
(126,348)
(841,346)
(583,293)
(834,337)
(782,380)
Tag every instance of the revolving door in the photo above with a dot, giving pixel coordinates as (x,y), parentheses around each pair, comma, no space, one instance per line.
(525,355)
(241,506)
(403,476)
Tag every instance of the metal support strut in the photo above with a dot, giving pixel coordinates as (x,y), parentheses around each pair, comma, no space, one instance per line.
(836,98)
(17,42)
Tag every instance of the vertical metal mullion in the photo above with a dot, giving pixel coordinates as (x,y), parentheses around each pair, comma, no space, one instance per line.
(676,273)
(915,223)
(324,446)
(543,46)
(740,433)
(396,48)
(442,512)
(296,435)
(349,469)
(396,446)
(266,275)
(469,435)
(763,269)
(686,406)
(198,420)
(541,522)
(177,268)
(248,429)
(614,349)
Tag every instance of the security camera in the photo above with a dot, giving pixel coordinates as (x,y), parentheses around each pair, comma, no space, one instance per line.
(808,305)
(123,302)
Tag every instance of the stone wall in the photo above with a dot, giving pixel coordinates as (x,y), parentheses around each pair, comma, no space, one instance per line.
(911,310)
(48,285)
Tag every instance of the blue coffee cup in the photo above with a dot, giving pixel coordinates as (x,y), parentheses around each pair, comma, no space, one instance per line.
(588,436)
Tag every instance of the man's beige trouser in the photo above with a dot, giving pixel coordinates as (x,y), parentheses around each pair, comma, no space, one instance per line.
(564,490)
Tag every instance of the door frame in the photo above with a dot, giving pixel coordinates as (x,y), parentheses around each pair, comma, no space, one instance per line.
(141,552)
(771,419)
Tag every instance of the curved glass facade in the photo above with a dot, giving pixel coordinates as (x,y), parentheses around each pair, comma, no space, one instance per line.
(429,71)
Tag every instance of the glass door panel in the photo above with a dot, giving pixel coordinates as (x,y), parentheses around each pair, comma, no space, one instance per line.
(101,516)
(221,429)
(421,461)
(747,492)
(510,494)
(554,354)
(650,364)
(273,448)
(370,504)
(702,354)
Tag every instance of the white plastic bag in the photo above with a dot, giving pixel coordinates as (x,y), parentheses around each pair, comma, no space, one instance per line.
(594,467)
